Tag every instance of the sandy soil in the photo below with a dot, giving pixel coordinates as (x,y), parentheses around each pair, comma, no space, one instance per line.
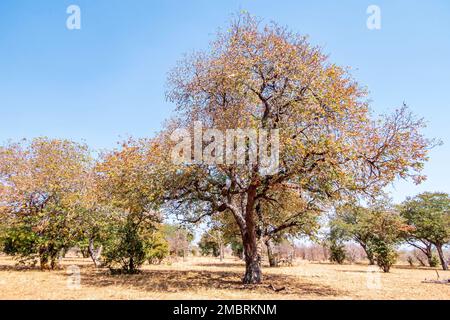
(208,278)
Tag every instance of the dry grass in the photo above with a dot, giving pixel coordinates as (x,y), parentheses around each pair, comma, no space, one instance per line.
(208,278)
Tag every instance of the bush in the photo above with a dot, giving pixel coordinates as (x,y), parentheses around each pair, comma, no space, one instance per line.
(30,247)
(124,250)
(337,252)
(384,254)
(434,261)
(157,248)
(208,246)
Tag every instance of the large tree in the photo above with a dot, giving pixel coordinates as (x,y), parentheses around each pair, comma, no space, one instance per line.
(429,216)
(268,78)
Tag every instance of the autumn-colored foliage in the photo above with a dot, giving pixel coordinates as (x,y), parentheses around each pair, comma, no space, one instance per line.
(331,148)
(333,152)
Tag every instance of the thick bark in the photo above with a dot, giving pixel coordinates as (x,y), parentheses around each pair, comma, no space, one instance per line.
(253,274)
(273,261)
(252,254)
(441,256)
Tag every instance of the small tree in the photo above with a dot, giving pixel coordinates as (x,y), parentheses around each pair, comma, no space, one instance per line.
(386,227)
(179,239)
(157,248)
(353,222)
(337,252)
(377,229)
(209,246)
(130,243)
(384,253)
(336,245)
(428,214)
(126,183)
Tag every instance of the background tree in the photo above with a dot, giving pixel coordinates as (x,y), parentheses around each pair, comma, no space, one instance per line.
(179,239)
(209,245)
(377,228)
(92,219)
(353,222)
(126,182)
(266,77)
(387,228)
(335,242)
(429,216)
(287,209)
(42,183)
(157,247)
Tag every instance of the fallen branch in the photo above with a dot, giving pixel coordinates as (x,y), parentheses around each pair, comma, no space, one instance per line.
(437,281)
(271,286)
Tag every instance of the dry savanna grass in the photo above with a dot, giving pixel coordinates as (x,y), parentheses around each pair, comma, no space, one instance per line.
(208,278)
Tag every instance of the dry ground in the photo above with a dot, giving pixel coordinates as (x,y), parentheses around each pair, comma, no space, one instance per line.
(208,278)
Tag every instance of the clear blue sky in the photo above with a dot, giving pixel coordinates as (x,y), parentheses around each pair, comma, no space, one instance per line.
(107,80)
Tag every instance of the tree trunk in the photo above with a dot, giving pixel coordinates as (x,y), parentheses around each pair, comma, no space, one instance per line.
(221,249)
(441,256)
(273,261)
(253,274)
(84,252)
(48,257)
(54,260)
(43,260)
(421,262)
(131,267)
(429,253)
(94,253)
(369,254)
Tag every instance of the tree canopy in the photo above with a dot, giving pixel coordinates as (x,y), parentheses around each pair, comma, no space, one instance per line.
(429,216)
(265,77)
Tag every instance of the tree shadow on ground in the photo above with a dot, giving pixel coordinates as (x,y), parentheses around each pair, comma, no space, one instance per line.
(361,271)
(160,281)
(15,265)
(406,267)
(222,265)
(19,267)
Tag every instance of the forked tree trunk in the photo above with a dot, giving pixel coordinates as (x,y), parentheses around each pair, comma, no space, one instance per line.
(441,256)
